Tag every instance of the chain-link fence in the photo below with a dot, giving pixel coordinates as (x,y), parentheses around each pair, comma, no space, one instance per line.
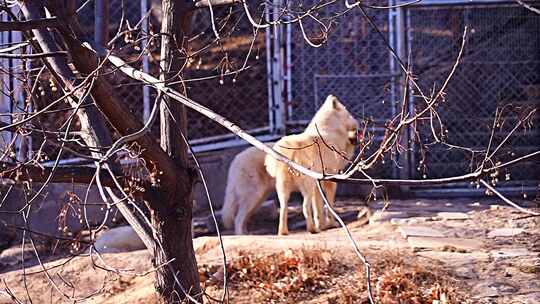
(227,75)
(500,68)
(353,64)
(241,97)
(129,13)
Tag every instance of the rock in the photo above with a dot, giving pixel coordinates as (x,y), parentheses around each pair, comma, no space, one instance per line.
(397,217)
(465,272)
(267,211)
(530,298)
(383,216)
(444,243)
(456,259)
(408,231)
(299,225)
(504,232)
(495,207)
(493,288)
(511,253)
(7,236)
(363,216)
(119,239)
(453,216)
(13,256)
(461,263)
(410,221)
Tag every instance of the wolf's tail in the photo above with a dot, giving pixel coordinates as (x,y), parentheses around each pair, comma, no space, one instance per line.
(230,205)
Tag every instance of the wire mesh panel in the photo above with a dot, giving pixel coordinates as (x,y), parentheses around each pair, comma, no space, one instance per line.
(214,81)
(500,69)
(354,64)
(129,14)
(228,75)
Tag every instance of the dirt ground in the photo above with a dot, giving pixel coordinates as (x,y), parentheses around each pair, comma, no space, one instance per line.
(420,251)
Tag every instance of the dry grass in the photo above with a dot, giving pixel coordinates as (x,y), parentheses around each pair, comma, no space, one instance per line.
(278,277)
(323,276)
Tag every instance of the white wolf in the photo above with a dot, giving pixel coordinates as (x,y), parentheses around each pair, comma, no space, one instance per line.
(326,145)
(248,185)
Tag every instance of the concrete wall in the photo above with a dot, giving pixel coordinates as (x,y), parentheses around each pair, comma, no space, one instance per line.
(46,208)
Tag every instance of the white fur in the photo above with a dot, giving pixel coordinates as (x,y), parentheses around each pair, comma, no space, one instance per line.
(248,185)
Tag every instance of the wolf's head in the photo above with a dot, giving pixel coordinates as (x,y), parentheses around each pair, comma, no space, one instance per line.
(333,120)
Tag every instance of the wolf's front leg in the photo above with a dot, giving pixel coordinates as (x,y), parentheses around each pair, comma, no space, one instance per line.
(308,213)
(318,215)
(283,196)
(330,190)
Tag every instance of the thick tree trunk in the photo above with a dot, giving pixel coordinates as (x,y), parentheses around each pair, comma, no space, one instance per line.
(169,197)
(174,230)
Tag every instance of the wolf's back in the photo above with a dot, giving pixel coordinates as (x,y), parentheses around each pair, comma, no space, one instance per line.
(288,146)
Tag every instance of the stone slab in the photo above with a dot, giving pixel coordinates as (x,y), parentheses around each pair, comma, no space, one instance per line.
(529,298)
(383,216)
(455,259)
(505,232)
(453,216)
(494,288)
(503,253)
(408,231)
(444,243)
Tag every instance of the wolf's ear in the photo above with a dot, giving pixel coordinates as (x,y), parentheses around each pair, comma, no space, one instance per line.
(332,101)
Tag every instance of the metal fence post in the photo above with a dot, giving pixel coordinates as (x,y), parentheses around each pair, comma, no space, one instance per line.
(401,49)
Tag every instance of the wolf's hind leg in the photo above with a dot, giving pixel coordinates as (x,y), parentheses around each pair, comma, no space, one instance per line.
(246,208)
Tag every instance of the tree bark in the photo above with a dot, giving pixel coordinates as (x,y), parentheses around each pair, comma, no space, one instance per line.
(174,231)
(170,196)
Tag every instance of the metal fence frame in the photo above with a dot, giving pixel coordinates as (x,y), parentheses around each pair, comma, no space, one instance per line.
(399,35)
(13,85)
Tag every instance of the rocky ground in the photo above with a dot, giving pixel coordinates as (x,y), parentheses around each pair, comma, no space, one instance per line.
(421,251)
